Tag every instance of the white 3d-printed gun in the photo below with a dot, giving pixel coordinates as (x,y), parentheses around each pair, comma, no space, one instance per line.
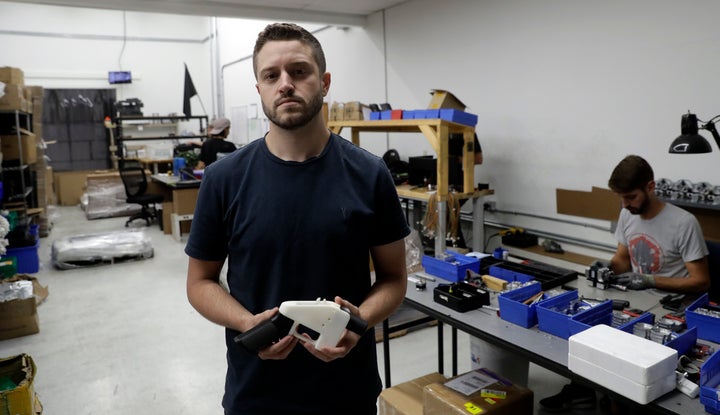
(323,318)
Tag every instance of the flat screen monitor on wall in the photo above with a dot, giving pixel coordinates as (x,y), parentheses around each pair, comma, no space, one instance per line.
(119,77)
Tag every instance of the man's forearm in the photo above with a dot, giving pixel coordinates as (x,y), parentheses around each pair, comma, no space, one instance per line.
(214,303)
(384,298)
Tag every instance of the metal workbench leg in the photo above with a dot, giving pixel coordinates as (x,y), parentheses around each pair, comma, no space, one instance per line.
(386,350)
(441,357)
(454,352)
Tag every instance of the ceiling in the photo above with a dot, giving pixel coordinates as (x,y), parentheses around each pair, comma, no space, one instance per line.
(345,12)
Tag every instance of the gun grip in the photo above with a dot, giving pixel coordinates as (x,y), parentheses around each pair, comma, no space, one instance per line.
(264,334)
(356,324)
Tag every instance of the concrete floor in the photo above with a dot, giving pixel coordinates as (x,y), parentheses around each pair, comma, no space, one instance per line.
(123,339)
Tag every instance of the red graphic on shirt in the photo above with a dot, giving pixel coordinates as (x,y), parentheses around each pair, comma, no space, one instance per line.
(645,254)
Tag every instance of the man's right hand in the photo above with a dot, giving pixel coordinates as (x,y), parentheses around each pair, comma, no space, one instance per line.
(278,350)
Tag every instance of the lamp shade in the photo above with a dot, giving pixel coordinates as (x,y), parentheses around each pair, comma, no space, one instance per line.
(689,141)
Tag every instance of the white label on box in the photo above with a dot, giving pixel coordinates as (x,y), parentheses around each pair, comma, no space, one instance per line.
(470,382)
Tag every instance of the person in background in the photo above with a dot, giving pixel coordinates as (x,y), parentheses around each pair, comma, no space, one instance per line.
(298,214)
(659,246)
(218,131)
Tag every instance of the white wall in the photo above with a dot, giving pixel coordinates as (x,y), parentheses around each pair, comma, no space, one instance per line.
(66,47)
(563,89)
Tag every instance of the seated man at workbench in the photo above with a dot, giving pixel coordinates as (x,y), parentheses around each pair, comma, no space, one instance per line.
(659,246)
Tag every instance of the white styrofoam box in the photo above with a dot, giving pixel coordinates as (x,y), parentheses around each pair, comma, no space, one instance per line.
(638,392)
(635,358)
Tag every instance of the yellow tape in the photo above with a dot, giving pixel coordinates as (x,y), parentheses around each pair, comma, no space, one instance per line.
(495,394)
(470,407)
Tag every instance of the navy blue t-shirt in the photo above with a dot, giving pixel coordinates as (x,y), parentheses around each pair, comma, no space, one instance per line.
(297,231)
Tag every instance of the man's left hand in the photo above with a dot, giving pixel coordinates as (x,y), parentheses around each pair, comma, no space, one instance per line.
(635,281)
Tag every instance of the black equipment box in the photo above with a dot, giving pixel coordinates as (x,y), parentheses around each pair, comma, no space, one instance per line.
(520,240)
(422,170)
(129,107)
(549,276)
(461,296)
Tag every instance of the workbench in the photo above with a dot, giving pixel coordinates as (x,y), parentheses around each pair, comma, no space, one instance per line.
(543,349)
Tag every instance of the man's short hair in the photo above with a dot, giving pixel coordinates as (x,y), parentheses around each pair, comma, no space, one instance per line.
(632,173)
(289,31)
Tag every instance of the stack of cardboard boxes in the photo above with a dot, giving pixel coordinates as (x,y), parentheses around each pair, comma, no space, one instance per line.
(28,99)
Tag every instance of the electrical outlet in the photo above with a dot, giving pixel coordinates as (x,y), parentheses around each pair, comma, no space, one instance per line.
(490,205)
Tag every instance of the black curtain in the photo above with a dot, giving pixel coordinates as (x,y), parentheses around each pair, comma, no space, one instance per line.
(74,120)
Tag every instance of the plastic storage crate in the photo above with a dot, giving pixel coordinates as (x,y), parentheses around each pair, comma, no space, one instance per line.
(28,261)
(599,314)
(512,308)
(709,381)
(708,326)
(509,274)
(452,268)
(460,117)
(682,343)
(558,324)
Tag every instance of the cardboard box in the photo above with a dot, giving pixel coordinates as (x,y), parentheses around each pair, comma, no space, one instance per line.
(19,317)
(166,212)
(184,201)
(491,395)
(11,149)
(407,398)
(10,75)
(70,185)
(14,98)
(444,99)
(20,400)
(599,203)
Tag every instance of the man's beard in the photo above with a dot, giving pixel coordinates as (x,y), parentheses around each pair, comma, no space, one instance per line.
(643,206)
(294,120)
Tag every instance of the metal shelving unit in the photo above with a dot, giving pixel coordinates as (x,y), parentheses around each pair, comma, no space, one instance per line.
(19,120)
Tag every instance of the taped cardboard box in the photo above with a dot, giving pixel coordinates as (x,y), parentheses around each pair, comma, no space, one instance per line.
(19,317)
(14,99)
(480,391)
(407,398)
(18,396)
(444,99)
(599,203)
(11,146)
(13,76)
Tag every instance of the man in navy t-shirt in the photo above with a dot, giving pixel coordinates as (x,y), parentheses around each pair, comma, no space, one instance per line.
(297,214)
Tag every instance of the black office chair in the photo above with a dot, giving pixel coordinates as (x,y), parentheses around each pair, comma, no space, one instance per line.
(135,183)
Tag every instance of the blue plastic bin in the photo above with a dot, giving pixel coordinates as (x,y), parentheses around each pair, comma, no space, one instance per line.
(682,343)
(512,308)
(452,269)
(709,381)
(28,261)
(599,314)
(508,275)
(460,117)
(558,324)
(708,326)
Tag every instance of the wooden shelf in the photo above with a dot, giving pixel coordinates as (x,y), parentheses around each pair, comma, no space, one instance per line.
(437,132)
(407,191)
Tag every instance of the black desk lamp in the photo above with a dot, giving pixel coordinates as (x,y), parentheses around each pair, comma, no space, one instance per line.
(689,141)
